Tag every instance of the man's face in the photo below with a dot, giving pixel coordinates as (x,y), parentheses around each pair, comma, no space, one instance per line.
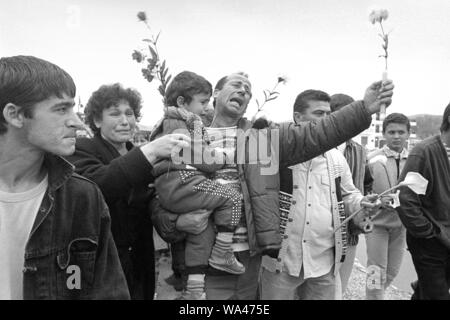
(316,111)
(232,100)
(117,123)
(396,135)
(198,104)
(53,126)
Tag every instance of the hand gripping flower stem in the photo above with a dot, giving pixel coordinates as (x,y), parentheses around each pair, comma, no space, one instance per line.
(413,180)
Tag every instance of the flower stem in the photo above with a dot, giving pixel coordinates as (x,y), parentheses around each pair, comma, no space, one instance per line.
(159,71)
(385,46)
(270,92)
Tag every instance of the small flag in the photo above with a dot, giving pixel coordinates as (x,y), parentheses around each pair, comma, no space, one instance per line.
(415,182)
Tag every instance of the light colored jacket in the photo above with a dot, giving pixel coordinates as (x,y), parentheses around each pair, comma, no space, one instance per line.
(288,259)
(383,168)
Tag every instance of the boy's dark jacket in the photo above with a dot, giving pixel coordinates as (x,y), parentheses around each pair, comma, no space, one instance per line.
(426,216)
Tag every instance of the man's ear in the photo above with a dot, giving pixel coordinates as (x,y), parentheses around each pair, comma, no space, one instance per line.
(215,93)
(297,117)
(13,115)
(97,123)
(180,102)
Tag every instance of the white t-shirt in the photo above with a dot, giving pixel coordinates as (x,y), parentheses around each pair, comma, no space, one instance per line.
(17,214)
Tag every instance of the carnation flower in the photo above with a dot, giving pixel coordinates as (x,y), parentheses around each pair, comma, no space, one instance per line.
(378,15)
(269,95)
(282,79)
(154,66)
(138,56)
(142,16)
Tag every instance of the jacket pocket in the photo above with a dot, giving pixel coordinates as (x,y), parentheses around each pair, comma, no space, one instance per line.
(76,268)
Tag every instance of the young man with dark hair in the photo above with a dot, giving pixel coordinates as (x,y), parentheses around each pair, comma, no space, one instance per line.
(386,243)
(427,217)
(295,143)
(52,221)
(321,191)
(55,237)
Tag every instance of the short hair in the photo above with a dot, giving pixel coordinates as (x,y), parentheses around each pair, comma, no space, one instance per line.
(399,118)
(27,80)
(107,96)
(339,100)
(301,102)
(445,126)
(220,84)
(186,84)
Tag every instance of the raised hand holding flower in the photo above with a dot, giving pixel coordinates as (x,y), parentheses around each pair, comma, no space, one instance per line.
(378,16)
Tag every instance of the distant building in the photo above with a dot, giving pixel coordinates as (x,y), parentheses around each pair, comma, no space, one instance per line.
(372,138)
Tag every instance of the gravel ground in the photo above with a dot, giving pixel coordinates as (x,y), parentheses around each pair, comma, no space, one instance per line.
(356,286)
(355,289)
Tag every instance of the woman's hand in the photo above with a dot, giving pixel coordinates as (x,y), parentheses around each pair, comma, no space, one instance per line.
(165,147)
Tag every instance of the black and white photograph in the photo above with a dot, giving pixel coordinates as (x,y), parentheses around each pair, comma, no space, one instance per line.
(253,150)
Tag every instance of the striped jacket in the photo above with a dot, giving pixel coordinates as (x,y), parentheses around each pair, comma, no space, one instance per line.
(342,193)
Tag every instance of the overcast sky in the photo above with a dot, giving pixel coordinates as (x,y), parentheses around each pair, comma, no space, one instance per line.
(318,44)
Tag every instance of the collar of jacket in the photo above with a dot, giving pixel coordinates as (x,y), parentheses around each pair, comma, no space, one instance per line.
(394,154)
(59,170)
(110,147)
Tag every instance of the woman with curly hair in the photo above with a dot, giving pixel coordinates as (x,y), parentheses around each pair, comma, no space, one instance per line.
(123,173)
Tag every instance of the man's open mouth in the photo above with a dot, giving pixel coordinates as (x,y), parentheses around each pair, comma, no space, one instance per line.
(237,102)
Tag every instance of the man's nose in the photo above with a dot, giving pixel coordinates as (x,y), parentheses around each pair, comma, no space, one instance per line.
(75,122)
(241,89)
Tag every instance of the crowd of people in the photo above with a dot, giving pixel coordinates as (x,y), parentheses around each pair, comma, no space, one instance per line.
(251,209)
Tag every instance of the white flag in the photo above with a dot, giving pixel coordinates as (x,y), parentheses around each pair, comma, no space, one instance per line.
(415,182)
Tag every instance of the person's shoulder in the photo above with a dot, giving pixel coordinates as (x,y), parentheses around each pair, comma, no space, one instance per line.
(430,143)
(376,156)
(88,203)
(338,156)
(170,125)
(374,153)
(84,184)
(357,145)
(87,144)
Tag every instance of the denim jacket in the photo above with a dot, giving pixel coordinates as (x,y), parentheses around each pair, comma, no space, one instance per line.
(70,253)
